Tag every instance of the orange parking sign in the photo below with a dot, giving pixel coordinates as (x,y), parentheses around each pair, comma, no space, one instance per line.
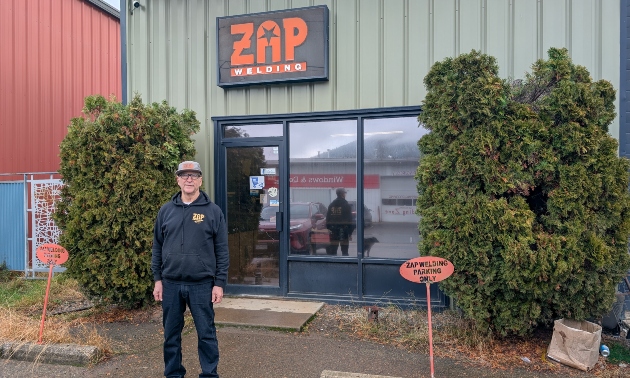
(426,269)
(52,254)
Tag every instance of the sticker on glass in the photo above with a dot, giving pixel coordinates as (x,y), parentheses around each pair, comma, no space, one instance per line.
(256,182)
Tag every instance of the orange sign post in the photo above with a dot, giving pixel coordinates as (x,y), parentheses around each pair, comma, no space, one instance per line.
(50,254)
(427,269)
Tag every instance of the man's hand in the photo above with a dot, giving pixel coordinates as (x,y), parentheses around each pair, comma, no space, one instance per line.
(217,294)
(157,291)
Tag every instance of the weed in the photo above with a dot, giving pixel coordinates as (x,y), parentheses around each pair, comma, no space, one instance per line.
(619,353)
(453,336)
(21,307)
(6,274)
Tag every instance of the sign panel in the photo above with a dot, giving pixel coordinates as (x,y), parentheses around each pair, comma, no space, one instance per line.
(256,182)
(52,254)
(332,180)
(426,269)
(270,47)
(326,180)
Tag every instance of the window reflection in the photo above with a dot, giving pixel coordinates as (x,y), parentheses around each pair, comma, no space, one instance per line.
(253,239)
(391,158)
(323,158)
(253,131)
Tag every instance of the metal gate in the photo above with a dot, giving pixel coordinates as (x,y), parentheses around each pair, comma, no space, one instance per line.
(27,202)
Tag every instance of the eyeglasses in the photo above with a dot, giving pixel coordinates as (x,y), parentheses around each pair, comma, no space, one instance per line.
(186,176)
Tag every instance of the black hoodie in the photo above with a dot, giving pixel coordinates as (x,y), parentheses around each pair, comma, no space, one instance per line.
(190,242)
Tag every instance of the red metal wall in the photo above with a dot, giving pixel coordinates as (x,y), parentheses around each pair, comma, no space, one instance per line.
(53,53)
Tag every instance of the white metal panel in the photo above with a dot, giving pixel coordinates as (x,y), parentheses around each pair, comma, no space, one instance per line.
(444,24)
(324,196)
(553,15)
(300,95)
(217,102)
(195,79)
(526,33)
(323,97)
(419,59)
(344,58)
(158,51)
(398,188)
(301,98)
(585,32)
(370,54)
(394,53)
(609,53)
(498,34)
(470,17)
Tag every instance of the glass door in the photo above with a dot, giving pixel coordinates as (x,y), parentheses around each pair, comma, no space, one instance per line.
(254,216)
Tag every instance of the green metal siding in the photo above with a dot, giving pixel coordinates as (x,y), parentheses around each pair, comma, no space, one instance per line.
(380,51)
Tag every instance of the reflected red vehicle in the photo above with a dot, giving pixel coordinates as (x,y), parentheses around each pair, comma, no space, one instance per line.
(305,217)
(367,214)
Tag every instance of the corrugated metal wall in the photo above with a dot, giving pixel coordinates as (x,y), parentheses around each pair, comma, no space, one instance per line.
(380,50)
(12,225)
(53,53)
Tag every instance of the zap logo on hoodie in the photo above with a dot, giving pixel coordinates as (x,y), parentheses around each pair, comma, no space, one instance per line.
(198,218)
(287,45)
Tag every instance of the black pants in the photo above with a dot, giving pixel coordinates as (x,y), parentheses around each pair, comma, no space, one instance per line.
(338,237)
(198,298)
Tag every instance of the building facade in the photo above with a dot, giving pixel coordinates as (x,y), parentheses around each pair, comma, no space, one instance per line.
(298,98)
(55,53)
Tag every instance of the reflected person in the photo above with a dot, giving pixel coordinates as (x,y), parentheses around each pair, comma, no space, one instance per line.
(339,222)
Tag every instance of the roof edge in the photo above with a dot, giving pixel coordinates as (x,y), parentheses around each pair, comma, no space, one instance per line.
(105,7)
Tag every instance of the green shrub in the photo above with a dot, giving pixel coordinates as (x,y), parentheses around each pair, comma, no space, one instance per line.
(118,164)
(522,189)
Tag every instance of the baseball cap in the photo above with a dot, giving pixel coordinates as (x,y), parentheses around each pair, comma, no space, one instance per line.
(192,166)
(341,190)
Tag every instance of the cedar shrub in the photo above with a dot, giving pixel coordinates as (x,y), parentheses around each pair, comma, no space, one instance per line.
(521,188)
(118,163)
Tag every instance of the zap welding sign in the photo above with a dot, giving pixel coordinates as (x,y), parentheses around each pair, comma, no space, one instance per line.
(282,46)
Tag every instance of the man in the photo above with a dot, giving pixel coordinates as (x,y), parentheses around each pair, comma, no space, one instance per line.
(189,262)
(339,222)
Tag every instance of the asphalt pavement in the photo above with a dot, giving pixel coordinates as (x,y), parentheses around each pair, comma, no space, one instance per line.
(251,349)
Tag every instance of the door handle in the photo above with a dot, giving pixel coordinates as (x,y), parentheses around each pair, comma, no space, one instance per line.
(279,221)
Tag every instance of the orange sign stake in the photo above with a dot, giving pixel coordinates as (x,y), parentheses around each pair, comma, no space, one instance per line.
(51,254)
(427,269)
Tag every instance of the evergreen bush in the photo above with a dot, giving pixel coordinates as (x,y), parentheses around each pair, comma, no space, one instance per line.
(521,188)
(118,164)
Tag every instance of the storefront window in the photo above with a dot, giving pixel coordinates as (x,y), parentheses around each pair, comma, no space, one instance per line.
(390,161)
(323,162)
(252,131)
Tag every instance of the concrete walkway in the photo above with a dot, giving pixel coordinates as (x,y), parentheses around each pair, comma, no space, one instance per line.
(266,313)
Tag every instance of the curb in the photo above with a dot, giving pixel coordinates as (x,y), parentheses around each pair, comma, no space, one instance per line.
(62,354)
(341,374)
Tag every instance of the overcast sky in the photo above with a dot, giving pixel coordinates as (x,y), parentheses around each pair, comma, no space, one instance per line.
(113,3)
